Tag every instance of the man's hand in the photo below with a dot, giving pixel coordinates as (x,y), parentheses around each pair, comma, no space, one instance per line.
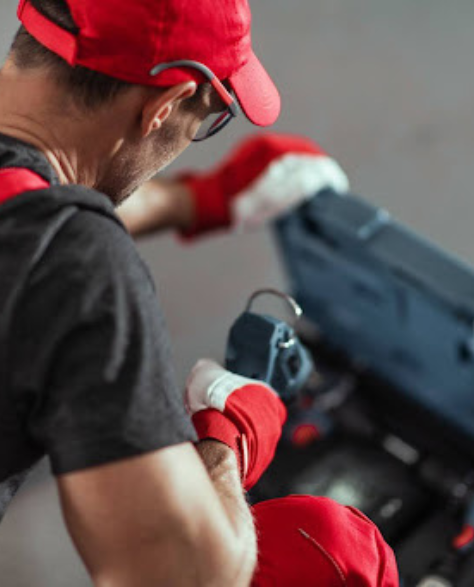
(264,177)
(242,413)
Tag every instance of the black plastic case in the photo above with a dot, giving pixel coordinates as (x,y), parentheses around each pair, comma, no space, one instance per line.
(390,321)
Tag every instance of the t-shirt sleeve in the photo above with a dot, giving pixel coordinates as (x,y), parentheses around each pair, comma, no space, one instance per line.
(92,374)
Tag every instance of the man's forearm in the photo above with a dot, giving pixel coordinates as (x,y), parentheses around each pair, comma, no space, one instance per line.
(159,204)
(223,469)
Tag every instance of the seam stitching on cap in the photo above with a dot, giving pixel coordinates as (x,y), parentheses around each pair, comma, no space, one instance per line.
(158,25)
(321,548)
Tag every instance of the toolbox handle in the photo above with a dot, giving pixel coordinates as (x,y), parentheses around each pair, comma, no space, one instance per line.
(274,292)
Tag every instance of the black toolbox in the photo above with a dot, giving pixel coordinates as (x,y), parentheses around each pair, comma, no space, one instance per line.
(387,424)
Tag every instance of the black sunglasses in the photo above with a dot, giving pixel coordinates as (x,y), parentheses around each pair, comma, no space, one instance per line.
(214,123)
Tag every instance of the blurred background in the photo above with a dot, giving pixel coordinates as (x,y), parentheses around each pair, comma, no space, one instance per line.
(387,87)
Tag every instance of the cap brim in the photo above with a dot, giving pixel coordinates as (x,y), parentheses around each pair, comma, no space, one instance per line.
(257,94)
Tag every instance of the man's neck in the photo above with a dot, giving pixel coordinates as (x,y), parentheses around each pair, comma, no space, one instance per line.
(32,110)
(26,133)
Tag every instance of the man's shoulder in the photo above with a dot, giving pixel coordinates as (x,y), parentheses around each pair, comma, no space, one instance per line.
(90,235)
(38,220)
(38,208)
(91,214)
(68,232)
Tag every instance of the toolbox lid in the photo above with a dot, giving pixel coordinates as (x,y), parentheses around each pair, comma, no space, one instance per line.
(387,298)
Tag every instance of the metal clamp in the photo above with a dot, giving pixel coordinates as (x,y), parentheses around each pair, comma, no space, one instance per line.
(290,301)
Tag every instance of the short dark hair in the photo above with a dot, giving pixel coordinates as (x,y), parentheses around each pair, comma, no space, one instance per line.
(90,89)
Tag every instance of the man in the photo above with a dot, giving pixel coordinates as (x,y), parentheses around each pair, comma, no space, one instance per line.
(103,95)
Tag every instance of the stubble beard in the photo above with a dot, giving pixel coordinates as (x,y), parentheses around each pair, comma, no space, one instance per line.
(134,168)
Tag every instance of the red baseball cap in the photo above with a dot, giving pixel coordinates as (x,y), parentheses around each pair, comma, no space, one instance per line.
(126,39)
(314,542)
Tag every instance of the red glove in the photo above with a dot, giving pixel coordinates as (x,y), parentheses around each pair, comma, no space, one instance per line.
(315,542)
(261,179)
(242,413)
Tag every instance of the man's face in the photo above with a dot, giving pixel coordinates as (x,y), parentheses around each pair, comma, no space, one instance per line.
(138,161)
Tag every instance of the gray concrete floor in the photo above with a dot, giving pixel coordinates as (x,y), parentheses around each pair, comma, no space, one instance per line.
(385,86)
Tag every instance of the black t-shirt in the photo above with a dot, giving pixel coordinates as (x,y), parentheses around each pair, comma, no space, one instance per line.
(86,375)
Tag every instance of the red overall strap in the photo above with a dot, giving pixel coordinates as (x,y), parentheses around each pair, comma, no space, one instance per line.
(14,181)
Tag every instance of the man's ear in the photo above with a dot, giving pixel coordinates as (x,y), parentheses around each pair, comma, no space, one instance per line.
(160,104)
